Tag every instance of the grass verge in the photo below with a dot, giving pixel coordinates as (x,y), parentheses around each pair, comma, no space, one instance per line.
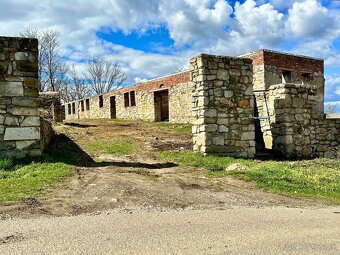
(318,178)
(18,182)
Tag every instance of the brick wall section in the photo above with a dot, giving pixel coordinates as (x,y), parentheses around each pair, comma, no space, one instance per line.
(178,85)
(297,131)
(19,117)
(223,106)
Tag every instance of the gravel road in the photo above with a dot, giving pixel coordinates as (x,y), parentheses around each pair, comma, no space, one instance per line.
(241,230)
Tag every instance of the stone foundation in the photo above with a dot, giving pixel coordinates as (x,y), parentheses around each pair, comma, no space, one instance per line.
(223,106)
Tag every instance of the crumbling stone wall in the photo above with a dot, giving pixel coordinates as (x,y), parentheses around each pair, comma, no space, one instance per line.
(297,132)
(50,106)
(223,105)
(19,117)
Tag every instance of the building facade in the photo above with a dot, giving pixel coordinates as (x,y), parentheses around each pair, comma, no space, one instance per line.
(237,105)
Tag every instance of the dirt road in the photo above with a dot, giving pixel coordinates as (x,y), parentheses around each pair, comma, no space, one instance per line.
(231,231)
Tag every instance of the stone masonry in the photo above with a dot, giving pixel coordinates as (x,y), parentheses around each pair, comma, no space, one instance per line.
(260,102)
(19,117)
(223,106)
(179,89)
(297,131)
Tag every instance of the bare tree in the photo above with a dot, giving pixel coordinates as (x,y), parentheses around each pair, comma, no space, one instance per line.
(331,108)
(76,88)
(103,75)
(52,67)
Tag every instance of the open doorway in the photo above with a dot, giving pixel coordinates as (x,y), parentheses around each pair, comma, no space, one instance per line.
(113,109)
(161,99)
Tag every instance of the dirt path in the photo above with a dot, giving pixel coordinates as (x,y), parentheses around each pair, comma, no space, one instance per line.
(141,180)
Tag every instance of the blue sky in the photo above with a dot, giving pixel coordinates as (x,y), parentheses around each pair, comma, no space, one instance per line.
(151,38)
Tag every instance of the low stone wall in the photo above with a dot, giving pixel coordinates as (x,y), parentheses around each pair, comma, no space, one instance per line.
(46,133)
(19,117)
(297,131)
(50,106)
(223,106)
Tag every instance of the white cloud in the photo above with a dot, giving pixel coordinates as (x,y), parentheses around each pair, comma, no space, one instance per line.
(210,26)
(309,19)
(190,21)
(262,23)
(332,88)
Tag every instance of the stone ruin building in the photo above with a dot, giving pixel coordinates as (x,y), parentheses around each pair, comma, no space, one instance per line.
(238,106)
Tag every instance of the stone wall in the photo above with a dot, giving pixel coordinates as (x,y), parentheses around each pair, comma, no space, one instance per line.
(19,117)
(223,106)
(297,132)
(179,88)
(50,106)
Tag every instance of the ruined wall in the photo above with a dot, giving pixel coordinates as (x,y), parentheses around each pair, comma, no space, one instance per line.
(297,131)
(50,106)
(223,105)
(178,85)
(272,68)
(19,117)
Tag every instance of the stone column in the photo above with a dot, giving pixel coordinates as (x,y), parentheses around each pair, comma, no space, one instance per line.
(19,117)
(223,106)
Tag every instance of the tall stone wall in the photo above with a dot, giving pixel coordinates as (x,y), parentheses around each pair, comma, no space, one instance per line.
(297,132)
(19,117)
(223,105)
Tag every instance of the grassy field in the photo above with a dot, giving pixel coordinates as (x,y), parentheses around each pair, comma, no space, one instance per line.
(318,178)
(18,181)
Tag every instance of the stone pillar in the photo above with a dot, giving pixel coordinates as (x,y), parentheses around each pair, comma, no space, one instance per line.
(19,90)
(223,106)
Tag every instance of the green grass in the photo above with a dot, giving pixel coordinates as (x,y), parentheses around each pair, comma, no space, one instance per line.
(319,178)
(20,182)
(118,146)
(172,127)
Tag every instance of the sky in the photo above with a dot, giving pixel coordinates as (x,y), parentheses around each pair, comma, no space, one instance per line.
(151,38)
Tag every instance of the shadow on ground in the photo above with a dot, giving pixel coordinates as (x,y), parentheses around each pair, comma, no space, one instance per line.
(64,150)
(73,124)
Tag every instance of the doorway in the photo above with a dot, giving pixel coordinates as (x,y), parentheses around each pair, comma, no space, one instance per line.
(113,109)
(161,100)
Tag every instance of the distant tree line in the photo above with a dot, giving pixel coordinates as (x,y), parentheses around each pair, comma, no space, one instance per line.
(99,76)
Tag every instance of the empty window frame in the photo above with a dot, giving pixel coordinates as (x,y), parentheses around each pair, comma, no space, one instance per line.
(87,103)
(101,101)
(69,111)
(126,99)
(286,76)
(73,108)
(306,78)
(132,98)
(82,105)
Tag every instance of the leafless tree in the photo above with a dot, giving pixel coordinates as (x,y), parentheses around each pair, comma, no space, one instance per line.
(52,67)
(330,108)
(103,75)
(76,87)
